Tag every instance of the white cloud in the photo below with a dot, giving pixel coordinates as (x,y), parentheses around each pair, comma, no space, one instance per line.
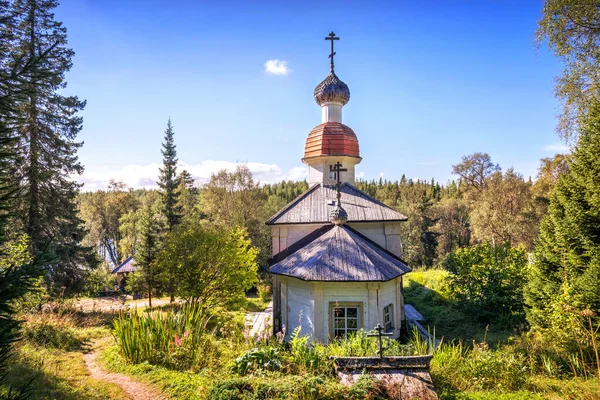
(556,147)
(145,176)
(360,175)
(277,67)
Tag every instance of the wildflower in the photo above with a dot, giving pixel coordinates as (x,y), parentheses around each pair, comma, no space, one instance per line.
(177,341)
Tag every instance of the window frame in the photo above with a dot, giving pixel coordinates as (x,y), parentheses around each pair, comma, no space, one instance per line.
(389,310)
(345,304)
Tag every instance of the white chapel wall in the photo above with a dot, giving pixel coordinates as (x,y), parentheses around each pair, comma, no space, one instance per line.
(300,307)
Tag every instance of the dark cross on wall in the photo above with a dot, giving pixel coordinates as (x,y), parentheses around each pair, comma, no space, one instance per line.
(380,334)
(337,168)
(331,38)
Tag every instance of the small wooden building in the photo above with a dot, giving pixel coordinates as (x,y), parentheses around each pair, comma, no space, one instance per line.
(123,270)
(336,250)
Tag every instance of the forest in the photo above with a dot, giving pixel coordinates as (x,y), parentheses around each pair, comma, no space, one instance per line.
(506,268)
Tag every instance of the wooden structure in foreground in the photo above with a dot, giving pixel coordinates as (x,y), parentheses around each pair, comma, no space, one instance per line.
(407,376)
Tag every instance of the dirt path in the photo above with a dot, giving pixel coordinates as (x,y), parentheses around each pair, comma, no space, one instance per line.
(134,389)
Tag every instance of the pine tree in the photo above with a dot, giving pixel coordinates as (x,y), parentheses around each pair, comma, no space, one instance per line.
(565,274)
(47,128)
(168,181)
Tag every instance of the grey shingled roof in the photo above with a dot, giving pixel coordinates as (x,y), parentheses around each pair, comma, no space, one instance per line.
(314,206)
(126,266)
(339,253)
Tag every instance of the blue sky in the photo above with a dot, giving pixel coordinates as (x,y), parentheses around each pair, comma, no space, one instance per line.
(430,82)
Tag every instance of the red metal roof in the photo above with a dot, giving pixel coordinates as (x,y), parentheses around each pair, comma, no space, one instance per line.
(331,139)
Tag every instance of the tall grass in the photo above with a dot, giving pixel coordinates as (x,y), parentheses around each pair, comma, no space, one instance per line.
(177,337)
(361,345)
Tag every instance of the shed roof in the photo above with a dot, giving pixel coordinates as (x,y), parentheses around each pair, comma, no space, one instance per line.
(126,266)
(315,205)
(338,253)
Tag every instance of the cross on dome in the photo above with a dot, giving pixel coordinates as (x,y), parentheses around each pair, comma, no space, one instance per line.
(331,38)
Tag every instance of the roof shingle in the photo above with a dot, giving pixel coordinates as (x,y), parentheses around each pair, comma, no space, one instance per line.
(339,253)
(315,205)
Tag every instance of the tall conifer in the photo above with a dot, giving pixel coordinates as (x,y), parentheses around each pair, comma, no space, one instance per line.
(168,181)
(47,128)
(565,274)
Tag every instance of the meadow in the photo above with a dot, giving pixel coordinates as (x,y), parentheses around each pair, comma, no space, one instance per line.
(186,352)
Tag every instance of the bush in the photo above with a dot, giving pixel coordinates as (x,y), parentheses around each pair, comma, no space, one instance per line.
(177,338)
(488,282)
(258,359)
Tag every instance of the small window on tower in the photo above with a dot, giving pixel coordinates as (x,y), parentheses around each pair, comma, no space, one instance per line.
(388,317)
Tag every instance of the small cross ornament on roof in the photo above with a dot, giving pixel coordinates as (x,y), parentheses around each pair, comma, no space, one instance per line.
(337,168)
(380,334)
(331,38)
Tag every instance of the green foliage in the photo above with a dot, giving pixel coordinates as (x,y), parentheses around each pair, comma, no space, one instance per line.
(168,181)
(100,279)
(177,338)
(564,283)
(571,28)
(150,232)
(488,282)
(57,330)
(102,212)
(235,200)
(478,368)
(285,388)
(267,358)
(211,264)
(46,124)
(359,345)
(428,291)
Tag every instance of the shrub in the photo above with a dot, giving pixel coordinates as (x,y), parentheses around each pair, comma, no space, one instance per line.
(488,282)
(177,338)
(267,358)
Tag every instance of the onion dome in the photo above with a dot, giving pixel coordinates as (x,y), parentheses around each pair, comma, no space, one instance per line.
(331,139)
(338,215)
(332,89)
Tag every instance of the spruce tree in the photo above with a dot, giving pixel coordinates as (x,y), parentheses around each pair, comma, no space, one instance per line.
(16,278)
(47,127)
(168,180)
(565,275)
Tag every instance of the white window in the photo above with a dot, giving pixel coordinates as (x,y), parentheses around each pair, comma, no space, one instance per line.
(344,319)
(388,317)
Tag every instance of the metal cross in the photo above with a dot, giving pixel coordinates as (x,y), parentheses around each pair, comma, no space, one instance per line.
(380,335)
(331,38)
(337,168)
